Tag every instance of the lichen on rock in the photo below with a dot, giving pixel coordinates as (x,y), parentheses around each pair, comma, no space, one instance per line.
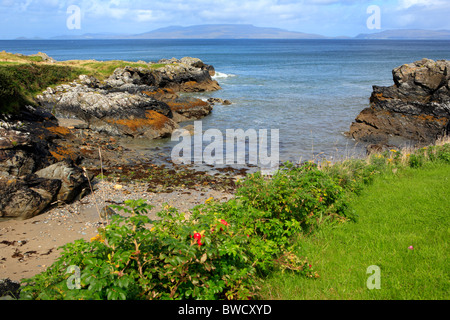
(415,109)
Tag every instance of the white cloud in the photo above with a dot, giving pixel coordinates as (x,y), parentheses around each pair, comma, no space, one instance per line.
(24,6)
(144,15)
(328,17)
(405,4)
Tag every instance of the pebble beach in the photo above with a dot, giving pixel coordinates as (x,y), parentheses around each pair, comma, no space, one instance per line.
(29,247)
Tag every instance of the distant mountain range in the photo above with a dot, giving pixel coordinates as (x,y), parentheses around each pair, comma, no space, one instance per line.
(209,31)
(415,34)
(246,31)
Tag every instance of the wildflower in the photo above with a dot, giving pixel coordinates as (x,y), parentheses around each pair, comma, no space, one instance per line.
(411,248)
(224,222)
(394,151)
(198,237)
(209,199)
(98,238)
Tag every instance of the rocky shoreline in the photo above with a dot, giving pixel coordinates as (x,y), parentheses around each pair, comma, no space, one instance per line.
(66,158)
(415,110)
(76,125)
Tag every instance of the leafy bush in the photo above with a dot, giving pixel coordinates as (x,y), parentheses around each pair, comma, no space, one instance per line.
(221,250)
(274,211)
(201,257)
(217,252)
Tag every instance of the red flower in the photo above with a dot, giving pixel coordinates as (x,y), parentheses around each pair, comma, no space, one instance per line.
(224,222)
(198,237)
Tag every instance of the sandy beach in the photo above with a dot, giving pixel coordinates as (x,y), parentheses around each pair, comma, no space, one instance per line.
(29,247)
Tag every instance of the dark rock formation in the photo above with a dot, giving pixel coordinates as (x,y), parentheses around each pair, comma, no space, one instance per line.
(135,102)
(416,108)
(219,101)
(9,289)
(40,157)
(26,197)
(73,179)
(34,170)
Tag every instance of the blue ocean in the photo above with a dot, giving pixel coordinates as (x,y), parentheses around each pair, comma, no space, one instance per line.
(311,90)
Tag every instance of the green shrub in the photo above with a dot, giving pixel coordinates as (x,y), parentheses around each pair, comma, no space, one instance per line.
(217,252)
(415,160)
(295,193)
(274,212)
(201,257)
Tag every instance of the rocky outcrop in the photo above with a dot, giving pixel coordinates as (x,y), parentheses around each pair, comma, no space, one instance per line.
(137,102)
(186,75)
(416,108)
(114,113)
(73,179)
(73,124)
(27,146)
(34,170)
(26,197)
(9,289)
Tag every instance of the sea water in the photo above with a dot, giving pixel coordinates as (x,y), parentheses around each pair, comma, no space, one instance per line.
(310,90)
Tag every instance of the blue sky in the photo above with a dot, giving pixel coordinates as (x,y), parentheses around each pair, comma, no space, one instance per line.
(47,18)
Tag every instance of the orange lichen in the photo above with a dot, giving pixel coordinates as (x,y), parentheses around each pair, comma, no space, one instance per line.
(59,130)
(380,97)
(159,91)
(430,118)
(152,119)
(62,153)
(191,83)
(176,106)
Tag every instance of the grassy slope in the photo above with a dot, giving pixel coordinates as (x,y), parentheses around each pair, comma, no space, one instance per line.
(23,77)
(396,212)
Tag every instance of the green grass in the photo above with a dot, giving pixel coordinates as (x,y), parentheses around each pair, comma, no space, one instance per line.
(19,83)
(410,208)
(102,70)
(23,77)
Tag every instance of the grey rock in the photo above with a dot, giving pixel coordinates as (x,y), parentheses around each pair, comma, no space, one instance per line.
(72,177)
(26,197)
(9,290)
(416,107)
(44,57)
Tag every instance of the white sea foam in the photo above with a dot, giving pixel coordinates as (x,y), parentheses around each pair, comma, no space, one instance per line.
(222,75)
